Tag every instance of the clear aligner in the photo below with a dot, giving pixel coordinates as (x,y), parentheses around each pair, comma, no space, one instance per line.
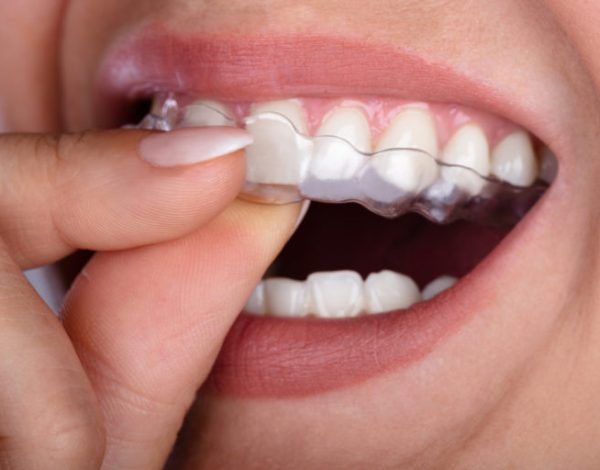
(285,166)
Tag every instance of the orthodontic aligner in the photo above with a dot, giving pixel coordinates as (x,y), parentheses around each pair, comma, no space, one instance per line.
(390,182)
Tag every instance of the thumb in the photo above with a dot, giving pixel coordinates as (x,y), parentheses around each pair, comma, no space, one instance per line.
(148,323)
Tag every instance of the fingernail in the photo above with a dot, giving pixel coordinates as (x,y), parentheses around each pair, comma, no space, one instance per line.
(303,210)
(192,145)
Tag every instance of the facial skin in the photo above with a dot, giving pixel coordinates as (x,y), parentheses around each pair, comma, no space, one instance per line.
(518,385)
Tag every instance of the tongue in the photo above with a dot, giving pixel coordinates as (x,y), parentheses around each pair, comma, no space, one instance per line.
(334,237)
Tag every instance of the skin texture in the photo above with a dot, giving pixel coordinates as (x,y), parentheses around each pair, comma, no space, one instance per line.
(516,388)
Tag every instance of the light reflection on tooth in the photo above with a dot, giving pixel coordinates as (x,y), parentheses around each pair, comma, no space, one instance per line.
(291,109)
(336,294)
(256,302)
(408,170)
(206,113)
(514,161)
(286,297)
(469,148)
(437,286)
(387,290)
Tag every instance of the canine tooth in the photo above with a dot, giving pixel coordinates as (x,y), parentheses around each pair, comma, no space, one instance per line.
(256,302)
(437,286)
(411,128)
(388,290)
(408,170)
(291,109)
(335,159)
(206,113)
(336,294)
(513,160)
(285,297)
(469,148)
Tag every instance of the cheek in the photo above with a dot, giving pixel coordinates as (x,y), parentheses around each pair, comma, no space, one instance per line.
(29,93)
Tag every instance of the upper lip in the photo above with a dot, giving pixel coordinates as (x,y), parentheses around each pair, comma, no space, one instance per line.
(252,68)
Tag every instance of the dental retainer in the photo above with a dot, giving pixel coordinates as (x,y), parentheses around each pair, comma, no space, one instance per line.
(284,166)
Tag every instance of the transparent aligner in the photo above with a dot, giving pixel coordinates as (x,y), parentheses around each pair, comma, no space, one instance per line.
(285,166)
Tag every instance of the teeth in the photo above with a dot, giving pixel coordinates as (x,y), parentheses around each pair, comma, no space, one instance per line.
(386,291)
(438,286)
(286,298)
(206,113)
(514,161)
(256,302)
(334,159)
(408,170)
(274,157)
(336,294)
(411,128)
(291,109)
(469,148)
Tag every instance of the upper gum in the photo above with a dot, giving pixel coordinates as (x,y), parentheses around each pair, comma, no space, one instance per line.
(381,111)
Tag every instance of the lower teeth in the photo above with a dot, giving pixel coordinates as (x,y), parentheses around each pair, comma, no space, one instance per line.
(341,294)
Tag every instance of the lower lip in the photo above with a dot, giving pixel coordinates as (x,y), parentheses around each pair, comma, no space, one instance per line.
(267,357)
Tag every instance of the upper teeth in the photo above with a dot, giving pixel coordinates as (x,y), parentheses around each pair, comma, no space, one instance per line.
(340,294)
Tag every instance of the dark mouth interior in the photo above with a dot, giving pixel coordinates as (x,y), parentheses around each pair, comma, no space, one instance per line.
(347,236)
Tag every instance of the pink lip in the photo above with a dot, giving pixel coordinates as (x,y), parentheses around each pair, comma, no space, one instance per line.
(276,357)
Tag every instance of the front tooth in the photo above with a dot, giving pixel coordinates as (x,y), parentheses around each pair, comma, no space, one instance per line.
(386,291)
(256,302)
(285,297)
(437,286)
(411,128)
(514,161)
(336,294)
(412,167)
(469,148)
(276,157)
(334,159)
(291,109)
(206,113)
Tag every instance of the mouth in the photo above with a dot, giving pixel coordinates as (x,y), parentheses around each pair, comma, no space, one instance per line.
(357,291)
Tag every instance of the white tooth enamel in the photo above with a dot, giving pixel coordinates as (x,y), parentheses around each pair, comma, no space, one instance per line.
(514,161)
(335,159)
(469,148)
(437,286)
(336,294)
(408,170)
(291,109)
(286,297)
(387,290)
(548,165)
(276,157)
(256,302)
(411,128)
(206,113)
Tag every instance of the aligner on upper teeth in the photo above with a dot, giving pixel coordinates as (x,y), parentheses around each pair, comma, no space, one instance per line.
(404,171)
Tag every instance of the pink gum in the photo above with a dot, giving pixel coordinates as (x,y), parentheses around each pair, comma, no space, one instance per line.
(380,112)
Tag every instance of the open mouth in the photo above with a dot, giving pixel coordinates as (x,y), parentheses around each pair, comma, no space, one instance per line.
(360,290)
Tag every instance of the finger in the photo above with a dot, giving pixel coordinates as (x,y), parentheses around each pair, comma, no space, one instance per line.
(148,323)
(49,417)
(113,190)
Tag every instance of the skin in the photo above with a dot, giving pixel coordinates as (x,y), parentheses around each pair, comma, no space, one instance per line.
(516,388)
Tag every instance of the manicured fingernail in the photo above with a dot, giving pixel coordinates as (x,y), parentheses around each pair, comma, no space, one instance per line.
(192,145)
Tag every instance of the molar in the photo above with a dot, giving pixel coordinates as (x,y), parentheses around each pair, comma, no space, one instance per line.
(437,286)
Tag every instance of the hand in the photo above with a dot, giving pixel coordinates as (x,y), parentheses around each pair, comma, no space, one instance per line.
(145,319)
